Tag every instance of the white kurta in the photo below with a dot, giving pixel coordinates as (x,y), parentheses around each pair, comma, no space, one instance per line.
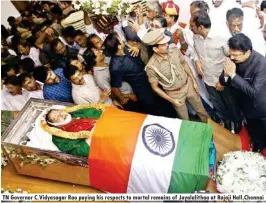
(13,103)
(89,92)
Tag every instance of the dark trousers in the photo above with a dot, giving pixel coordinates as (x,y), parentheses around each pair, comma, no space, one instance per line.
(257,132)
(225,104)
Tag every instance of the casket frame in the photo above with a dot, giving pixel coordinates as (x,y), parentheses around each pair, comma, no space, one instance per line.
(37,162)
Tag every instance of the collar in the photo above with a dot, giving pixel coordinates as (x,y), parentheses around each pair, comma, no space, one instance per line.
(249,61)
(211,34)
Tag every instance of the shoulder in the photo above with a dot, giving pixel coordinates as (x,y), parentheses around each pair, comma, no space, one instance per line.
(116,63)
(151,62)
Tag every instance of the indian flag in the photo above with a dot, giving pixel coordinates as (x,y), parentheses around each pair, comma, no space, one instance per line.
(138,153)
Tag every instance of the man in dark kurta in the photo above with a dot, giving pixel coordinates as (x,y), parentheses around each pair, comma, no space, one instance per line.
(247,74)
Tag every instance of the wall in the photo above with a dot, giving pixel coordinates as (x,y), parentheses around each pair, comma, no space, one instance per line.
(7,9)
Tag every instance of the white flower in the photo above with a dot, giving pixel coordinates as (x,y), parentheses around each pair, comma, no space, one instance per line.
(105,13)
(97,4)
(104,8)
(109,3)
(96,11)
(242,172)
(76,5)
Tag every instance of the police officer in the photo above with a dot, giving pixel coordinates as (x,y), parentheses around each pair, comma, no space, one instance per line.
(168,68)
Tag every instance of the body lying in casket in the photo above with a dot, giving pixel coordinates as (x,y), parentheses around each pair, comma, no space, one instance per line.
(110,149)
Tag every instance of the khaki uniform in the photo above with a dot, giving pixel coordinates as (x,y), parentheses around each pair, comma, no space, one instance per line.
(175,81)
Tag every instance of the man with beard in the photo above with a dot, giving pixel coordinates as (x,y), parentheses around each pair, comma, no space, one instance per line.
(31,85)
(62,53)
(56,86)
(84,88)
(246,71)
(235,19)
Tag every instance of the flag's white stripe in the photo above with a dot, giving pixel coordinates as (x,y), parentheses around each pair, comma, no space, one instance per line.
(152,173)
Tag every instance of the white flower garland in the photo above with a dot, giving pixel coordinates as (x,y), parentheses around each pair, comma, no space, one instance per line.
(242,172)
(103,7)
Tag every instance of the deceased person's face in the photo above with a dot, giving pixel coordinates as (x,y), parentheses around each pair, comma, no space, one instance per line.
(57,116)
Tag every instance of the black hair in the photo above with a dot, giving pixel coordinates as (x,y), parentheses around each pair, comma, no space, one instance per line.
(111,44)
(4,32)
(202,5)
(90,59)
(240,42)
(57,10)
(263,5)
(47,117)
(40,73)
(54,43)
(68,32)
(27,64)
(24,43)
(78,33)
(12,80)
(234,13)
(6,68)
(11,19)
(89,43)
(162,21)
(23,76)
(69,71)
(202,18)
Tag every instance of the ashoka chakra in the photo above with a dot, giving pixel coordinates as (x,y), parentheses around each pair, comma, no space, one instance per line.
(158,140)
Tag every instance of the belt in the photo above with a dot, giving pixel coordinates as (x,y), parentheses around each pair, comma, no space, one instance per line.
(178,89)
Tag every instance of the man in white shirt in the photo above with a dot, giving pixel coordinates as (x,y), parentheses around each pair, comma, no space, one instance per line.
(141,25)
(251,19)
(29,52)
(211,50)
(13,96)
(31,85)
(218,13)
(84,88)
(235,20)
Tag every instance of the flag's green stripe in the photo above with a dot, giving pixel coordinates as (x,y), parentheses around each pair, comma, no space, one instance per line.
(190,168)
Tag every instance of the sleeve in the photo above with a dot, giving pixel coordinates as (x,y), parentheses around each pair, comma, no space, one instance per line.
(91,30)
(78,99)
(252,89)
(142,31)
(225,46)
(181,57)
(195,53)
(152,75)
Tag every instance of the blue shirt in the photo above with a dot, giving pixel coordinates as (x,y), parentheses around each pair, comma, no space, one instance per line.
(60,91)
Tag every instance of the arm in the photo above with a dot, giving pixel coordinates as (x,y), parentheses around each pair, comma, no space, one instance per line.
(39,42)
(119,95)
(116,83)
(87,20)
(250,90)
(160,92)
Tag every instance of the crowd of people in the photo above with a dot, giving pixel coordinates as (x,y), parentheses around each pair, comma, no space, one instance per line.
(147,62)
